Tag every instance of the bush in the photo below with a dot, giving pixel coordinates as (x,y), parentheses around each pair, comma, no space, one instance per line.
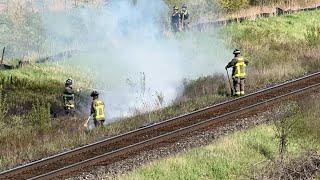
(308,122)
(3,107)
(39,116)
(313,36)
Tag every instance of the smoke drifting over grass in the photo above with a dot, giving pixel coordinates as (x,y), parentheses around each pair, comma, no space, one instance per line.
(133,58)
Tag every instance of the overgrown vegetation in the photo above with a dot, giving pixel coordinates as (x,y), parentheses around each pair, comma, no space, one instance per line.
(290,50)
(29,97)
(245,155)
(21,30)
(208,10)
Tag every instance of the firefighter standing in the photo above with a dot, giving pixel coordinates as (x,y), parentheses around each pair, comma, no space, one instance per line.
(68,97)
(184,15)
(175,19)
(238,65)
(97,109)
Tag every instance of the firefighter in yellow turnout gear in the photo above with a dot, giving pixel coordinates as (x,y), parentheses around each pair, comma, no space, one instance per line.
(68,97)
(97,109)
(238,65)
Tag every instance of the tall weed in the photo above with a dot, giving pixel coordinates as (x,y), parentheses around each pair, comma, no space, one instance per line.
(3,107)
(39,116)
(312,36)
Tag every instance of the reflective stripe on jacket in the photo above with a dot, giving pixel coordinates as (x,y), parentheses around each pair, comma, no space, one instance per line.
(68,100)
(98,107)
(240,68)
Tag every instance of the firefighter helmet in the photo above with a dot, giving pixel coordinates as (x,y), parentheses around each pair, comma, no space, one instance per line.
(184,6)
(94,93)
(236,51)
(69,81)
(175,8)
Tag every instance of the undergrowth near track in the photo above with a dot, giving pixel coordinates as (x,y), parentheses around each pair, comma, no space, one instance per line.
(247,154)
(278,48)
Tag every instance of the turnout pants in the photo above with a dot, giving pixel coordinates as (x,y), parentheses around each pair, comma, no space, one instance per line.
(175,27)
(238,85)
(185,26)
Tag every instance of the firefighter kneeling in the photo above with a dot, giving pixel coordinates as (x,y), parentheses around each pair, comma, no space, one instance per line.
(238,65)
(97,109)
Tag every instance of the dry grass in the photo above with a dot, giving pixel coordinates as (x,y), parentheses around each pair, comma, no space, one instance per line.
(284,54)
(211,10)
(246,154)
(252,11)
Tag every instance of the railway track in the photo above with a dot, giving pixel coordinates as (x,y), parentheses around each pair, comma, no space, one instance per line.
(160,134)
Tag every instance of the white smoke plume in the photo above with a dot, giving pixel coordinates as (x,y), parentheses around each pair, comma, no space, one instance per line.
(128,47)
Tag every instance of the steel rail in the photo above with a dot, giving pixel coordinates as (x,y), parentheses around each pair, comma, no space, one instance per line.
(164,137)
(115,139)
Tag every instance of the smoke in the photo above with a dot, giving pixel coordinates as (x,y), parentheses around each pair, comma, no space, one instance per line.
(137,63)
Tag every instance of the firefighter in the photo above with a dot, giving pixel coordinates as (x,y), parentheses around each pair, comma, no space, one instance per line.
(175,19)
(238,64)
(68,97)
(184,17)
(97,109)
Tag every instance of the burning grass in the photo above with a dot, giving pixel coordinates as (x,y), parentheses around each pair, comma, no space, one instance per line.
(278,48)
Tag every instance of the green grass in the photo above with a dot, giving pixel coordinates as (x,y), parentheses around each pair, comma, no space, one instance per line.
(277,47)
(237,155)
(274,57)
(44,83)
(229,158)
(34,135)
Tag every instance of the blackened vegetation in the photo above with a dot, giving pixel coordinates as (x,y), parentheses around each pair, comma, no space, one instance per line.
(6,67)
(54,58)
(23,63)
(57,57)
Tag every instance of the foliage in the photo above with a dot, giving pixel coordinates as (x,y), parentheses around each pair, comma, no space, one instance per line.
(3,107)
(312,36)
(276,58)
(21,30)
(239,155)
(39,116)
(284,124)
(283,54)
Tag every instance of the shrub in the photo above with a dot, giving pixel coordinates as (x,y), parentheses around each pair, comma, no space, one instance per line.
(3,107)
(312,36)
(39,116)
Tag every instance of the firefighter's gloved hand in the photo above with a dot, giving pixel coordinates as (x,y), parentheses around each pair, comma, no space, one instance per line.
(79,90)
